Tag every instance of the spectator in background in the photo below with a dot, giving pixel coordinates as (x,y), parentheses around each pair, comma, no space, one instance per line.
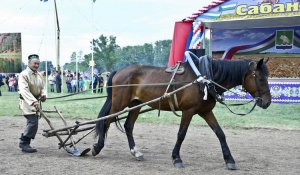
(16,83)
(11,83)
(68,81)
(6,81)
(95,82)
(100,83)
(1,83)
(58,82)
(81,83)
(86,83)
(51,80)
(74,84)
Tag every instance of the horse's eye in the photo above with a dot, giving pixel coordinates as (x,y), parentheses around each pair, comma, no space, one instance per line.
(262,79)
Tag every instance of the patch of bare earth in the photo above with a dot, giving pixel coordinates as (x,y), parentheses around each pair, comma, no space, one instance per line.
(256,151)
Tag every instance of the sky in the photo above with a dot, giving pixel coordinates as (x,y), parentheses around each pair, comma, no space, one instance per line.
(133,22)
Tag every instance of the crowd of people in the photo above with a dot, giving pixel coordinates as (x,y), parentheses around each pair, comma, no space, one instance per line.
(73,83)
(76,83)
(10,80)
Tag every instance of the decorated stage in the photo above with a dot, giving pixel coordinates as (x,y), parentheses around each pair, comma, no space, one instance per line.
(283,90)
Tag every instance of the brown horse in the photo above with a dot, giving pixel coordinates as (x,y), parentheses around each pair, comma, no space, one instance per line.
(252,75)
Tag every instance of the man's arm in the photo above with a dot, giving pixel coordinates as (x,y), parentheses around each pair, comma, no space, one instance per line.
(24,90)
(43,92)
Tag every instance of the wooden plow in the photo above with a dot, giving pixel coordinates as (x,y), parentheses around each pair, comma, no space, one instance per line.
(69,143)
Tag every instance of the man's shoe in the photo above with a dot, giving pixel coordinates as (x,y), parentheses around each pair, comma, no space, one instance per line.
(25,145)
(27,148)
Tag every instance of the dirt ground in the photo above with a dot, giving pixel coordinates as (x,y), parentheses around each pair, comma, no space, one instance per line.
(256,151)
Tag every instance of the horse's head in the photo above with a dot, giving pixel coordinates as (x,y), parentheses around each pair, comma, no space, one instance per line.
(256,82)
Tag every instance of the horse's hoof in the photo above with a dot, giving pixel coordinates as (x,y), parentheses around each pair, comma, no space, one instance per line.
(140,158)
(137,154)
(94,151)
(178,163)
(231,166)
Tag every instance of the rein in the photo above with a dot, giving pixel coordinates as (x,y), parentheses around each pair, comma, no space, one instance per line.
(240,104)
(236,104)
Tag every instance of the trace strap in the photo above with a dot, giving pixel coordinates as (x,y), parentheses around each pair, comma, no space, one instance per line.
(174,96)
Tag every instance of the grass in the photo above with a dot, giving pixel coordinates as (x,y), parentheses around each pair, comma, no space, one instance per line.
(279,116)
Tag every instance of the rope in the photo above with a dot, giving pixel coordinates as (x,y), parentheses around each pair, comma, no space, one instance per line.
(122,85)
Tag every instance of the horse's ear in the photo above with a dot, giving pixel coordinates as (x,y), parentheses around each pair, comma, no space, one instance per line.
(266,60)
(252,65)
(260,63)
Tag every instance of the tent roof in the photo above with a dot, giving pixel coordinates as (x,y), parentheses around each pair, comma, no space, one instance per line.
(204,9)
(286,21)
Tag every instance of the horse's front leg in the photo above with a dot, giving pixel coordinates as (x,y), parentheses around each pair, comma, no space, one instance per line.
(213,123)
(129,125)
(184,124)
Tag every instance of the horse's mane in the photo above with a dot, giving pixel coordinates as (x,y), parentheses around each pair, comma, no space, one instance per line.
(229,70)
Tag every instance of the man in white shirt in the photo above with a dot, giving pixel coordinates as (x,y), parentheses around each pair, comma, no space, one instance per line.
(31,90)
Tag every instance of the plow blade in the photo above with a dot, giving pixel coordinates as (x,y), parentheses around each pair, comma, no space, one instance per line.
(76,152)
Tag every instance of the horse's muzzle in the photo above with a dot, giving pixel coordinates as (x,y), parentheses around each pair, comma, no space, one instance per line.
(263,103)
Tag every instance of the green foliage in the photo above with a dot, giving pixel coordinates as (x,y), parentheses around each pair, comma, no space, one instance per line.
(73,57)
(108,56)
(83,62)
(142,54)
(162,52)
(105,52)
(42,66)
(147,54)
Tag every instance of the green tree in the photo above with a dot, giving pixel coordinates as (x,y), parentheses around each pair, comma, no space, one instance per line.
(128,55)
(141,54)
(147,54)
(69,66)
(105,52)
(42,66)
(162,52)
(109,56)
(144,54)
(73,57)
(83,64)
(80,56)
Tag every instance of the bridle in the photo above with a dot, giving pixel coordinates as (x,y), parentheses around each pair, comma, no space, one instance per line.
(258,88)
(260,92)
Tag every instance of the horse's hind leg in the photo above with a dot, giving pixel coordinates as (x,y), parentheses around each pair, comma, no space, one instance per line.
(129,125)
(213,123)
(184,124)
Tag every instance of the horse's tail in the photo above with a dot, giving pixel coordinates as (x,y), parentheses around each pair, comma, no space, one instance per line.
(100,125)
